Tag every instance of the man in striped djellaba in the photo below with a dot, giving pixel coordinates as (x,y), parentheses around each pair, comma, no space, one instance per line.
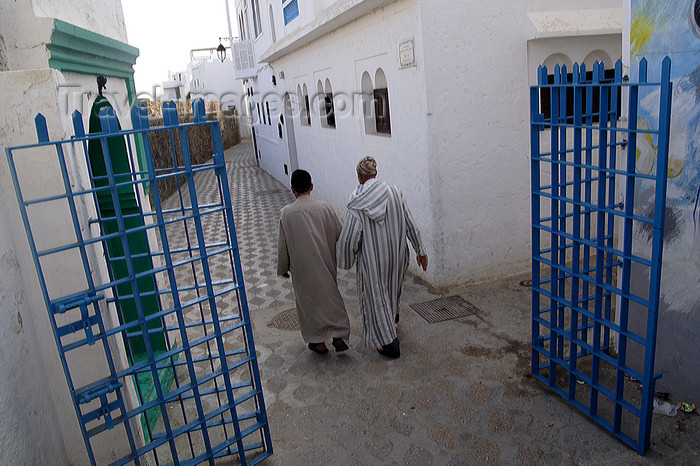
(375,236)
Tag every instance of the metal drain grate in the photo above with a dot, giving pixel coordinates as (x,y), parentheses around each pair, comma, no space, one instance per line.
(438,310)
(285,320)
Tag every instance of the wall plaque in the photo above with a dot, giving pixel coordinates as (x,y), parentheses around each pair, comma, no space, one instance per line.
(407,55)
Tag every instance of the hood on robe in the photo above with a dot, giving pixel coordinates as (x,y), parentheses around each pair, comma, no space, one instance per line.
(371,200)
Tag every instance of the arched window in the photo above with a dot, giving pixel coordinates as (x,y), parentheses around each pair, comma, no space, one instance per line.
(300,103)
(272,26)
(257,25)
(557,59)
(322,102)
(596,56)
(244,21)
(305,108)
(242,26)
(375,103)
(328,104)
(600,56)
(381,103)
(367,108)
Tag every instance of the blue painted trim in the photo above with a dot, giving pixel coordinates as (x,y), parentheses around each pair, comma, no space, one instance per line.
(291,11)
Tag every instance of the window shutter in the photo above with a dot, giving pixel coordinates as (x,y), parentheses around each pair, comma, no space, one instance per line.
(381,110)
(244,59)
(307,110)
(290,11)
(330,113)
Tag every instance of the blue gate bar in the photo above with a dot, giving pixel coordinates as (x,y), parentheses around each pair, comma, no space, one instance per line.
(659,219)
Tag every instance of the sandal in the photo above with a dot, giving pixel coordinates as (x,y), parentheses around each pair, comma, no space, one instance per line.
(340,345)
(315,348)
(391,350)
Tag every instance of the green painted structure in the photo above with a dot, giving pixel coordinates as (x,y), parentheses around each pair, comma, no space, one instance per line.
(138,241)
(78,50)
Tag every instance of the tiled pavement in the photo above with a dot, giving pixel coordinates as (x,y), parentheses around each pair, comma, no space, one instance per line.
(459,394)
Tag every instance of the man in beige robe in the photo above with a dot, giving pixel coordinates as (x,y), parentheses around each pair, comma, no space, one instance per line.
(308,233)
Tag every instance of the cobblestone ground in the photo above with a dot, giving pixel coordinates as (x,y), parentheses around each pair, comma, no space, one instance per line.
(461,392)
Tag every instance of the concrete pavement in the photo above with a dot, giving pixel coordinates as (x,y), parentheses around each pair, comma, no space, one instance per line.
(461,392)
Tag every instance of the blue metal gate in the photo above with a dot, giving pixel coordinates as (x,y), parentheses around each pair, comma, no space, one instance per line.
(199,399)
(585,242)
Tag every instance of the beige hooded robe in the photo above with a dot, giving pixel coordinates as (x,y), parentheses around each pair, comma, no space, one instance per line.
(308,233)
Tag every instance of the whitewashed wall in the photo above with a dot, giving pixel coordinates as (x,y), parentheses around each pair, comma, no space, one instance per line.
(40,178)
(37,419)
(460,118)
(330,155)
(105,17)
(20,50)
(27,415)
(31,418)
(218,82)
(478,101)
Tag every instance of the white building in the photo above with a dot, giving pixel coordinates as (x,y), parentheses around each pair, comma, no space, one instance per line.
(176,87)
(213,79)
(206,77)
(454,79)
(50,55)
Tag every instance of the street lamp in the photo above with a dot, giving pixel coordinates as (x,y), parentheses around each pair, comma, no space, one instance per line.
(221,51)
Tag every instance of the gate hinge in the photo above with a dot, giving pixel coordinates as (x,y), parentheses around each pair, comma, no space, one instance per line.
(104,410)
(539,342)
(538,121)
(86,320)
(65,304)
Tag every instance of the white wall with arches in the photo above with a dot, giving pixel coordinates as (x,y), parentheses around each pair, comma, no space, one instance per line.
(350,63)
(569,50)
(457,141)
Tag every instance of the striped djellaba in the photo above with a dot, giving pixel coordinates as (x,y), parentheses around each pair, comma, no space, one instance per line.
(374,235)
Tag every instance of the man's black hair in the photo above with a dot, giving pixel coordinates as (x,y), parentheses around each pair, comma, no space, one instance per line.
(301,181)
